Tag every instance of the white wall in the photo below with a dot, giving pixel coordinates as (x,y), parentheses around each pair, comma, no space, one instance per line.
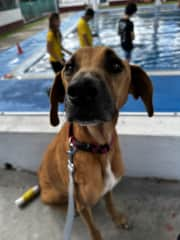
(72,2)
(10,16)
(150,146)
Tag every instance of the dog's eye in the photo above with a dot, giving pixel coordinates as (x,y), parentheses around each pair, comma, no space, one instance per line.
(112,63)
(116,67)
(69,68)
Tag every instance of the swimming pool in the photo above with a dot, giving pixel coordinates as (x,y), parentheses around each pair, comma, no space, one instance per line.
(157,42)
(154,51)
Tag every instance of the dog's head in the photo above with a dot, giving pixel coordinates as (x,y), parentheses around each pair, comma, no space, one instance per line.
(97,83)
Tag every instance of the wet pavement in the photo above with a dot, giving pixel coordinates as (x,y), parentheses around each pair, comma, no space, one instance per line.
(22,33)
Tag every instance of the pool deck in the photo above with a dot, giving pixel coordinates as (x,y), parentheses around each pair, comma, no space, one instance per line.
(25,32)
(31,43)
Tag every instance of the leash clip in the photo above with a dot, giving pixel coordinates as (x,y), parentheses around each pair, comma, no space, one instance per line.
(71,152)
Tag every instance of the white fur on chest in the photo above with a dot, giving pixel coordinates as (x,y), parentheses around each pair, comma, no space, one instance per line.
(110,180)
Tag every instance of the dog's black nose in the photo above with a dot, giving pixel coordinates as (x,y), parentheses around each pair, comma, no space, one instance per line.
(83,90)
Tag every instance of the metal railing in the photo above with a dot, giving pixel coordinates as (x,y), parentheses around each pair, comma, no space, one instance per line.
(7,4)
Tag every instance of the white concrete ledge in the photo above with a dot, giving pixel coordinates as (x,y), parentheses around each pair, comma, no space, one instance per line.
(150,146)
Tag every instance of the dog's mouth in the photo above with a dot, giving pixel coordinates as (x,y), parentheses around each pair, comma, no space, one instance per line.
(89,123)
(94,112)
(89,102)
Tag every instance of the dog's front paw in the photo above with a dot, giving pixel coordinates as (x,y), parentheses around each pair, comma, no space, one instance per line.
(121,220)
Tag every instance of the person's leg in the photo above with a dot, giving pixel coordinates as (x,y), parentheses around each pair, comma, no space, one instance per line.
(127,51)
(57,67)
(128,55)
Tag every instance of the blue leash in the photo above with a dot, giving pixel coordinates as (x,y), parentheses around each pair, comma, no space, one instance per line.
(71,205)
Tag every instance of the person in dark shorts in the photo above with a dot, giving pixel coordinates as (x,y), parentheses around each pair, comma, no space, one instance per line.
(54,45)
(126,30)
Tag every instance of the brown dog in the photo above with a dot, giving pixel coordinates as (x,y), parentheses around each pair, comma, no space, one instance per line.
(97,84)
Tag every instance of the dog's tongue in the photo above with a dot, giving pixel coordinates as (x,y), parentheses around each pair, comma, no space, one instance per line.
(89,123)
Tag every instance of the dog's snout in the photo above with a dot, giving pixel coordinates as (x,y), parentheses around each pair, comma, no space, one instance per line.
(88,99)
(82,90)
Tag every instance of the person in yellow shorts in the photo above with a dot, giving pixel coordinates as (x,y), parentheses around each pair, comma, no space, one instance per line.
(83,29)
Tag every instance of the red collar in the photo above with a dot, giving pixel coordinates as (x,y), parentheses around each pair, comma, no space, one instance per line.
(88,147)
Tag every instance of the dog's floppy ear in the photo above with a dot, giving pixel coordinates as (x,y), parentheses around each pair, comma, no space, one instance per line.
(57,95)
(141,86)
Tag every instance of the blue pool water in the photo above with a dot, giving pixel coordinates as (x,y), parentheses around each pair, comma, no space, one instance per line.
(30,96)
(157,37)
